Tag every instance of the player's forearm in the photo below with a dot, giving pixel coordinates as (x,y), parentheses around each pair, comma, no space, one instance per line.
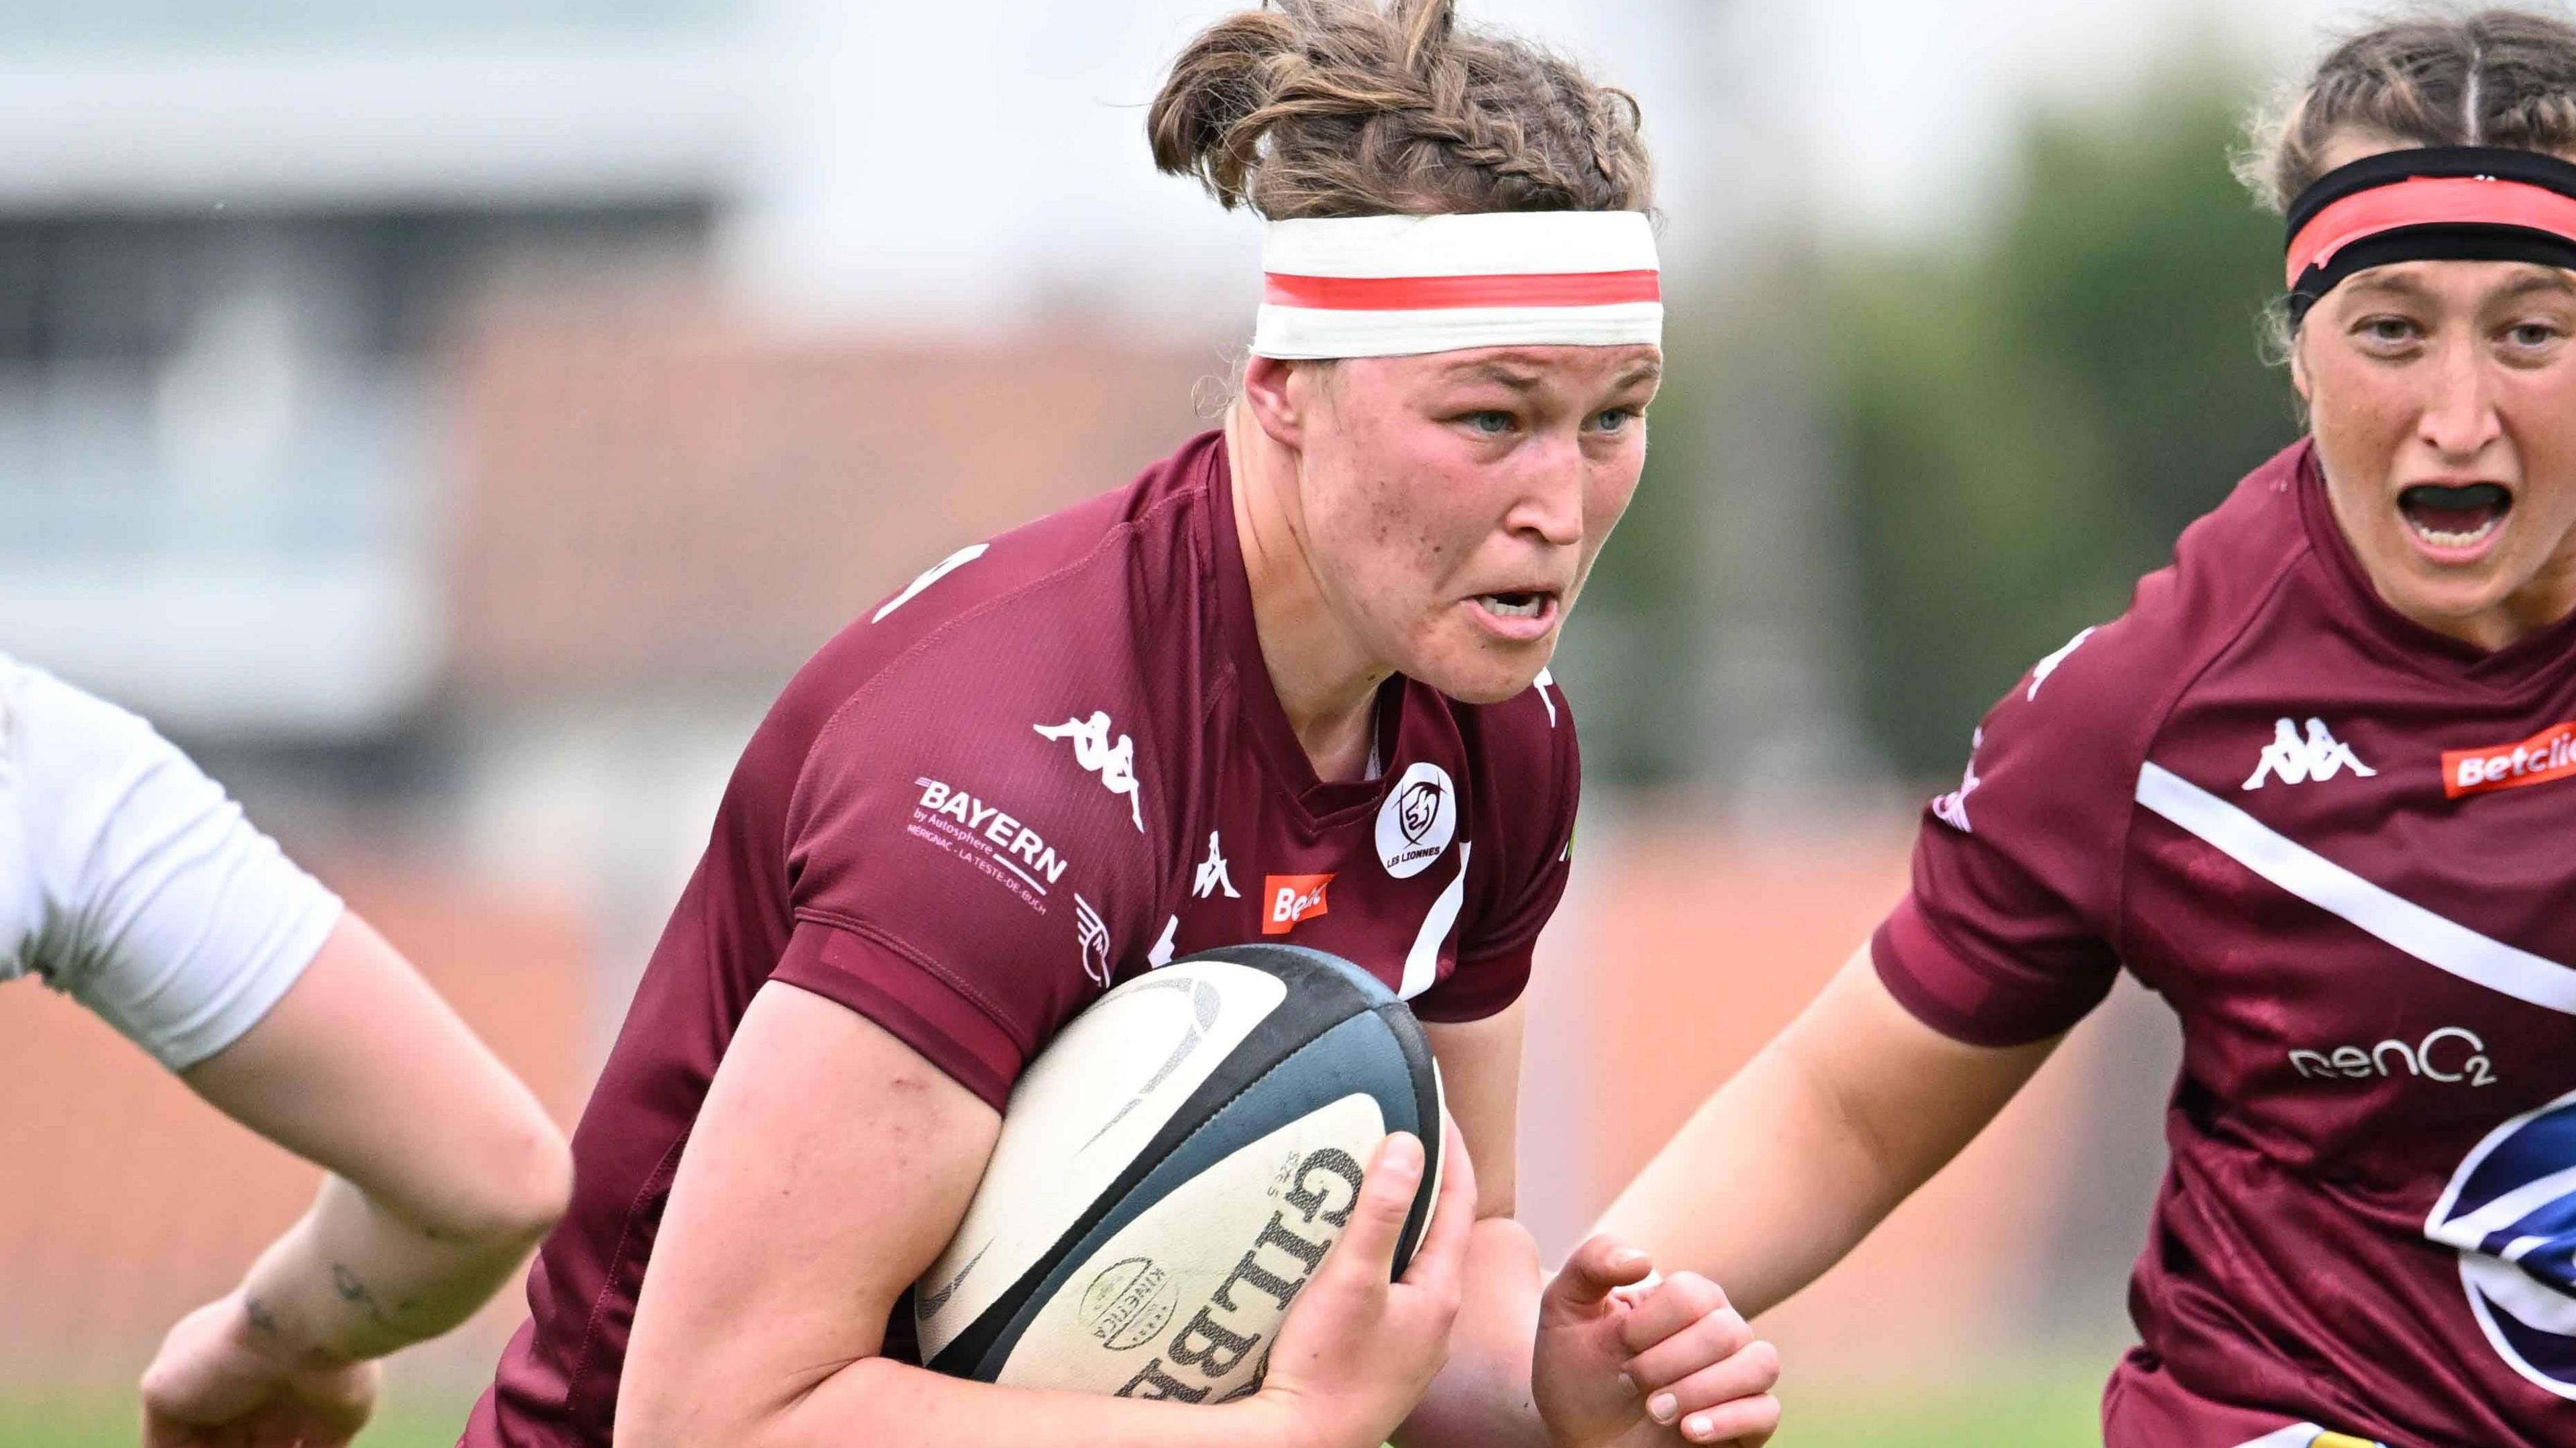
(1482,1399)
(354,1280)
(1770,1183)
(877,1400)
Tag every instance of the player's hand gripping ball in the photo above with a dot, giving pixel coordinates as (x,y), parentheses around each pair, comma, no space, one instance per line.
(1171,1172)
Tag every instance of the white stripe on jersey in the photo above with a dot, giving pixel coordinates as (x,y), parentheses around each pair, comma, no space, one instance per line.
(2297,1435)
(1422,966)
(2431,938)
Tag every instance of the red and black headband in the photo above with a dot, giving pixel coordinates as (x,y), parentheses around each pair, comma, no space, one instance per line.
(2439,203)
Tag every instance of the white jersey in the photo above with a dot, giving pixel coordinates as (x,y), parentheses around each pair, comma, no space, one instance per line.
(131,882)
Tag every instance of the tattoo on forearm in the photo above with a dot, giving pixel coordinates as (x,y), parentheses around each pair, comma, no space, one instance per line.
(353,1291)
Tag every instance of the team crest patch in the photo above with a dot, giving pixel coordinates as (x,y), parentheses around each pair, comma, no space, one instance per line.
(1418,820)
(2545,756)
(2510,1211)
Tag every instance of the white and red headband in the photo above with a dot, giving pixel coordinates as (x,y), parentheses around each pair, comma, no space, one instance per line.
(1397,286)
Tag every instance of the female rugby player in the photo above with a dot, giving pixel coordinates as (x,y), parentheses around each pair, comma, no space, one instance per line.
(131,883)
(1288,685)
(2316,788)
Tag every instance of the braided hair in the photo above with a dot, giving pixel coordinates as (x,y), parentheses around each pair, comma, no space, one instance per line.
(1333,108)
(2494,77)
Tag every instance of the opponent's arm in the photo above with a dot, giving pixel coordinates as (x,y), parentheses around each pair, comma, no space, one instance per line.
(1815,1141)
(828,1168)
(445,1170)
(1582,1337)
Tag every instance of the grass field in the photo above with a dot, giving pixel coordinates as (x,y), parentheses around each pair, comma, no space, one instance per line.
(2052,1412)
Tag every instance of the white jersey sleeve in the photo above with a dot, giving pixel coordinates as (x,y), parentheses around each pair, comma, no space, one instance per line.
(131,881)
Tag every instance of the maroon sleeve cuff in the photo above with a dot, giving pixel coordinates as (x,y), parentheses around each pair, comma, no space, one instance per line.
(910,998)
(1476,989)
(1947,991)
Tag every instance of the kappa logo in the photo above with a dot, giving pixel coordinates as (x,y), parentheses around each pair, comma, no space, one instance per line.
(1418,820)
(2315,759)
(1293,900)
(1115,764)
(2547,755)
(1212,876)
(1091,933)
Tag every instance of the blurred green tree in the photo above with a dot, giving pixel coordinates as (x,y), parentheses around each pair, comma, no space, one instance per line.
(2026,425)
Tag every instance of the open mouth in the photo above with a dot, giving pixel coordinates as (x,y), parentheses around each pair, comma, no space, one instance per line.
(1516,605)
(2455,517)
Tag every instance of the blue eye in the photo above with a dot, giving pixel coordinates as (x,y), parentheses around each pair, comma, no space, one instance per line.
(1613,419)
(1491,424)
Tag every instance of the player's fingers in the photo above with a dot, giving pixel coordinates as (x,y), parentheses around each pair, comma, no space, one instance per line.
(1366,1251)
(1675,1303)
(1597,1268)
(1751,1371)
(1440,1260)
(1744,1423)
(1716,1337)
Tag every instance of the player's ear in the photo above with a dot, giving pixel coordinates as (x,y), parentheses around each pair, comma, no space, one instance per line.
(1278,394)
(2299,366)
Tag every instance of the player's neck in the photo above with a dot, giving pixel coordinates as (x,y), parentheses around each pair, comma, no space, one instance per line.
(1326,683)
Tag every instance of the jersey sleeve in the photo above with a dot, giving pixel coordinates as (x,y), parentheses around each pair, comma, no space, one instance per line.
(958,876)
(156,903)
(2005,936)
(1532,835)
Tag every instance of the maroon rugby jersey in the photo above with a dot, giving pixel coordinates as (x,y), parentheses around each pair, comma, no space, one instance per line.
(1051,763)
(2344,848)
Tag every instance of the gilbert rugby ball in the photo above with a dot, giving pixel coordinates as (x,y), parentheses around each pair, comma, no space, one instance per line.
(1170,1171)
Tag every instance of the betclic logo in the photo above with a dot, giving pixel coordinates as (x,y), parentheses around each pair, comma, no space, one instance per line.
(1290,900)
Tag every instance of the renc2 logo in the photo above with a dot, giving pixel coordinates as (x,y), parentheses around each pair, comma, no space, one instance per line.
(2448,1055)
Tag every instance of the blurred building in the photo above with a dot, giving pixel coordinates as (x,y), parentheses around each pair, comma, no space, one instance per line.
(234,239)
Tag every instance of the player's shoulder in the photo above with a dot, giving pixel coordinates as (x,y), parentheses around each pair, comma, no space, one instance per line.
(2116,680)
(2062,748)
(86,786)
(1095,602)
(1523,765)
(1525,740)
(61,743)
(1055,674)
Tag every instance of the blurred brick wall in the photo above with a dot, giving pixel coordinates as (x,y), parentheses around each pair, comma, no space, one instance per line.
(655,494)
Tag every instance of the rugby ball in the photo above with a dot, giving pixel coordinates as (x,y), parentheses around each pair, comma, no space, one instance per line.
(1170,1170)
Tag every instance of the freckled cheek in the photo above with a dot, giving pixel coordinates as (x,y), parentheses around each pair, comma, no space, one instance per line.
(2362,429)
(1402,555)
(2541,419)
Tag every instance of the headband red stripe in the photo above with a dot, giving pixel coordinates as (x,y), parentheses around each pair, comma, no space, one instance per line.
(1425,294)
(2429,201)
